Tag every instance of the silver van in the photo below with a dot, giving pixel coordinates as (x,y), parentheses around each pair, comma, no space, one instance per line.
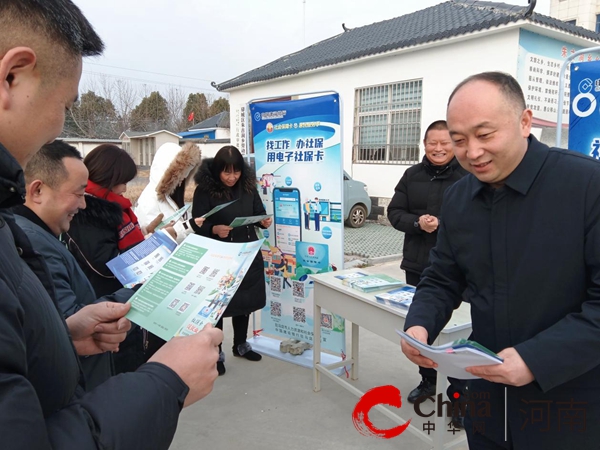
(357,203)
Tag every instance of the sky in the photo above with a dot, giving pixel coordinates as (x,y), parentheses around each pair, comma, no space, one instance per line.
(186,44)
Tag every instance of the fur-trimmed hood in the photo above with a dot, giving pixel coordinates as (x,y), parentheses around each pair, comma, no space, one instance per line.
(171,165)
(207,182)
(100,213)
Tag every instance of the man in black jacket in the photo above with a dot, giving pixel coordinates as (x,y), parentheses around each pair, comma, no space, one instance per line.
(522,235)
(41,404)
(415,210)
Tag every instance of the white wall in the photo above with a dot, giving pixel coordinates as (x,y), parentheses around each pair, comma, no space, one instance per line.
(222,133)
(440,66)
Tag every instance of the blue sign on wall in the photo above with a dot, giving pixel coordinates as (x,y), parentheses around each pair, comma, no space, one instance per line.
(584,113)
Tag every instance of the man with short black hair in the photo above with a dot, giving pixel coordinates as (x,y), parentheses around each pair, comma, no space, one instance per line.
(41,47)
(522,236)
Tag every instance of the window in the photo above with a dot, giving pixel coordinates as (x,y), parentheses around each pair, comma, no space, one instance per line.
(572,22)
(597,23)
(387,123)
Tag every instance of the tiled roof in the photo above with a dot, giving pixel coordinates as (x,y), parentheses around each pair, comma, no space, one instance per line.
(443,21)
(221,120)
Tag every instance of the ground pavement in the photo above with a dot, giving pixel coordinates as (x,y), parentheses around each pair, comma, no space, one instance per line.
(270,404)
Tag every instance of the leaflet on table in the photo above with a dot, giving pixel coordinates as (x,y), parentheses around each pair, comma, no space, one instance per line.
(193,287)
(454,357)
(398,298)
(351,275)
(174,217)
(218,208)
(372,282)
(241,221)
(138,264)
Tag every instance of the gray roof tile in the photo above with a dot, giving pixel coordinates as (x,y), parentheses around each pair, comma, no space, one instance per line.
(443,21)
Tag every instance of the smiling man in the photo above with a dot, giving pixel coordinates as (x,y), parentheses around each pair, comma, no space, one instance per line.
(55,179)
(522,236)
(415,210)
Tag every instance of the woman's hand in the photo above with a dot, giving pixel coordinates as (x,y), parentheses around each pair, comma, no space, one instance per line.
(221,230)
(199,221)
(152,225)
(266,222)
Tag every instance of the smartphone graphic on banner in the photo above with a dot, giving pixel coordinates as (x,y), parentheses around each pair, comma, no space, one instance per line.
(287,218)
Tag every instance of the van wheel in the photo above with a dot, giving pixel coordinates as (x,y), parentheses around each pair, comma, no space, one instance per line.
(357,216)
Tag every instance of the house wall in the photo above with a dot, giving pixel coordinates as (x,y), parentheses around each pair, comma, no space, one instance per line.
(440,66)
(583,11)
(222,133)
(85,147)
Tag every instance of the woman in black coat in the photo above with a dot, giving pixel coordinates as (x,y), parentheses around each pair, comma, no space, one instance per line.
(221,179)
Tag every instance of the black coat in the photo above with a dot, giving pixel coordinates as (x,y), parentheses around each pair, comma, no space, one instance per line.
(93,240)
(42,405)
(210,192)
(528,254)
(420,191)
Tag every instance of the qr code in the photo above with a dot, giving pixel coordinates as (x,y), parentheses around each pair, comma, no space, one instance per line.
(204,270)
(214,273)
(276,309)
(199,290)
(327,321)
(189,287)
(298,289)
(276,284)
(299,315)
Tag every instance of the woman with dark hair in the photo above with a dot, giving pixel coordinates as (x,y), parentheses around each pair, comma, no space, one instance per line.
(221,179)
(103,230)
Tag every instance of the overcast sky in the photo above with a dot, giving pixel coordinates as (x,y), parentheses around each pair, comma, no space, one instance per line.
(199,41)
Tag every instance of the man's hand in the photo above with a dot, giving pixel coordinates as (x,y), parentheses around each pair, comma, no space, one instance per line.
(199,221)
(428,223)
(152,225)
(99,328)
(513,371)
(266,222)
(221,230)
(420,334)
(194,359)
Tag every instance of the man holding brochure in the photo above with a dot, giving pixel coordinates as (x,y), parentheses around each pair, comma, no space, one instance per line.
(522,236)
(43,406)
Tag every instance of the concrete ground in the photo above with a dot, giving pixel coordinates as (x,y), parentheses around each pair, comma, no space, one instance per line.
(271,404)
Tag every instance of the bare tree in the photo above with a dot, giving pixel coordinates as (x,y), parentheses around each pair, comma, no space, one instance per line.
(176,100)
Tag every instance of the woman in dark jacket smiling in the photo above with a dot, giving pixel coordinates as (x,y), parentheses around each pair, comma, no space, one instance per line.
(222,179)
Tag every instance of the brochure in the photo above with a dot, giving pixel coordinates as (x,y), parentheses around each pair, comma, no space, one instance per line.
(139,263)
(398,298)
(218,208)
(193,287)
(173,217)
(454,357)
(351,275)
(372,282)
(250,220)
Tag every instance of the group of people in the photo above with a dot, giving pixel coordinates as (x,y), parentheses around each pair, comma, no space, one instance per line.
(62,218)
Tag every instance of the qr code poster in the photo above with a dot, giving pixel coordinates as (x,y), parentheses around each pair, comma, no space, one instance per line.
(288,313)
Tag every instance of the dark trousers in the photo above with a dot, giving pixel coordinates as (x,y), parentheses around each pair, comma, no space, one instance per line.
(240,329)
(458,386)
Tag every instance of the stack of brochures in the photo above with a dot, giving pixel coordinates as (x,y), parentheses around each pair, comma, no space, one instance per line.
(370,283)
(454,357)
(398,298)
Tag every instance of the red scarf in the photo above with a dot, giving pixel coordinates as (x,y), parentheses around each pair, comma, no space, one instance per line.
(129,231)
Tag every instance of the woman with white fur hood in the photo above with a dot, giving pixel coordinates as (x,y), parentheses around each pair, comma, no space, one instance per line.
(172,168)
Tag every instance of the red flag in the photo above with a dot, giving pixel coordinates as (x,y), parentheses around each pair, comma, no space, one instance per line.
(191,116)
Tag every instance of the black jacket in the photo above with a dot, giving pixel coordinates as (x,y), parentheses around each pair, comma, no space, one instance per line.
(209,193)
(93,240)
(420,191)
(528,254)
(41,404)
